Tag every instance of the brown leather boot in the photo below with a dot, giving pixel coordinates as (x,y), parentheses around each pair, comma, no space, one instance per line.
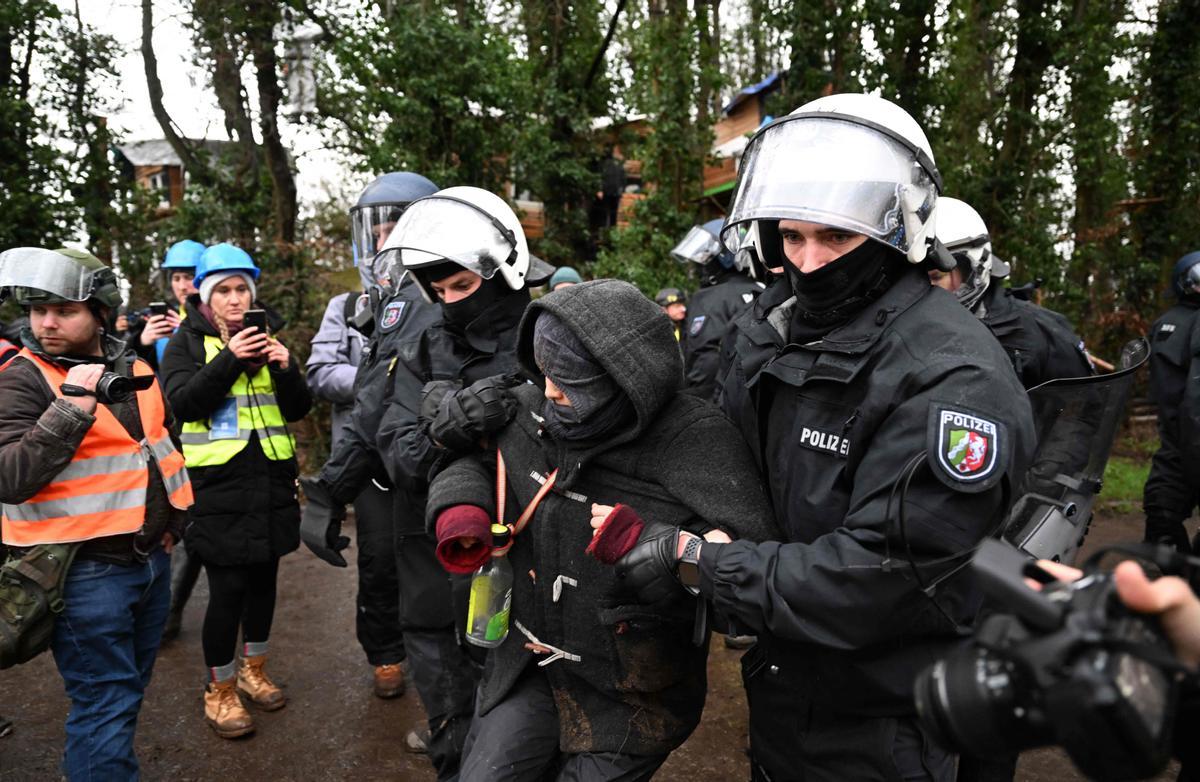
(257,686)
(224,712)
(389,680)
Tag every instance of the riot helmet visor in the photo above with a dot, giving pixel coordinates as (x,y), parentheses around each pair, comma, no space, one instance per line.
(836,172)
(441,227)
(34,274)
(699,246)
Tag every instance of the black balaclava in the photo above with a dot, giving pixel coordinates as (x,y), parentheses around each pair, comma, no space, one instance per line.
(460,314)
(834,293)
(598,405)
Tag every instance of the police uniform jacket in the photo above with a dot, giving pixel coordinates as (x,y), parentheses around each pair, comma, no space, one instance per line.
(353,460)
(638,684)
(1171,492)
(246,509)
(487,347)
(912,389)
(710,313)
(1040,343)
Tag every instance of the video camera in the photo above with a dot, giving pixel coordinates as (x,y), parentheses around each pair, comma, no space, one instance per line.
(1070,666)
(111,388)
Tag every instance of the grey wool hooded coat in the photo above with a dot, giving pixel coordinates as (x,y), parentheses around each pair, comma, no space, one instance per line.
(638,685)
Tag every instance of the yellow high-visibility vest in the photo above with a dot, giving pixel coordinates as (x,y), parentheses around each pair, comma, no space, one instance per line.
(257,411)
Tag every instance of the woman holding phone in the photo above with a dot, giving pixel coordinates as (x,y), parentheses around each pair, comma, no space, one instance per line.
(236,386)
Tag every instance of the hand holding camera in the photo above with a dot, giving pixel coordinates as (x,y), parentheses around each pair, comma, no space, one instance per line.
(162,322)
(1084,661)
(83,376)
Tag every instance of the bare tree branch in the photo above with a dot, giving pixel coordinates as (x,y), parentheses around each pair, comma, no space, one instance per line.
(191,161)
(608,36)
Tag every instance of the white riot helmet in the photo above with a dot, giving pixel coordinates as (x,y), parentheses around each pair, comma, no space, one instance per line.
(856,162)
(465,225)
(965,235)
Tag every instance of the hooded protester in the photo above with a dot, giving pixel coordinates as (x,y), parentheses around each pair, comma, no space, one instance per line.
(617,440)
(467,252)
(236,389)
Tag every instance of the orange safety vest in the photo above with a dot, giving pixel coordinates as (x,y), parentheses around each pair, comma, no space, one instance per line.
(102,492)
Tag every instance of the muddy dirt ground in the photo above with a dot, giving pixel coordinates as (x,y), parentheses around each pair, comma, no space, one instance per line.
(333,728)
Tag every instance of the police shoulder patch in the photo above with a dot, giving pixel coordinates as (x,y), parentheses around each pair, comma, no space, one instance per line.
(392,313)
(697,324)
(966,450)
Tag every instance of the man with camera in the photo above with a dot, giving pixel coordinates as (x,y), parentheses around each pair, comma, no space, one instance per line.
(87,458)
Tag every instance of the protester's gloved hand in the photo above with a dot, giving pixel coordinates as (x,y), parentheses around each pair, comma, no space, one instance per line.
(1172,533)
(321,522)
(646,566)
(465,417)
(432,395)
(464,538)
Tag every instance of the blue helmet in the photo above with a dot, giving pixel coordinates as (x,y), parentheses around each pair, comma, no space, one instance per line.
(183,255)
(377,210)
(1185,278)
(224,257)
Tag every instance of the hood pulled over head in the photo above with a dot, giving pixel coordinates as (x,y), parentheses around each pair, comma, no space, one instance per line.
(604,335)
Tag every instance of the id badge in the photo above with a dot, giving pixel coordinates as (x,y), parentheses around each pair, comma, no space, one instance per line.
(223,424)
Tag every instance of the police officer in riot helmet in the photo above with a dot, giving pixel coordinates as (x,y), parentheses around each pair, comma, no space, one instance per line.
(1041,343)
(727,289)
(338,350)
(1171,493)
(889,427)
(467,253)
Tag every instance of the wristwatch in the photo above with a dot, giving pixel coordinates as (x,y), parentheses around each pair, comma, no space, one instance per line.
(688,568)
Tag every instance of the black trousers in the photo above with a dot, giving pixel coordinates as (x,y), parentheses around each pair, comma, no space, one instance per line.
(518,741)
(795,740)
(238,596)
(442,671)
(377,620)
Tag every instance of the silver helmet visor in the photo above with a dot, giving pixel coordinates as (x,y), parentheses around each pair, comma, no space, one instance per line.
(699,246)
(370,227)
(437,228)
(33,269)
(830,171)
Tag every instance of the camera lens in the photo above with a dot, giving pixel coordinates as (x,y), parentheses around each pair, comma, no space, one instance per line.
(978,703)
(112,388)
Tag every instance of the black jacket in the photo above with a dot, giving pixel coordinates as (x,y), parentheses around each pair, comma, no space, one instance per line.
(640,683)
(1171,491)
(40,434)
(1040,343)
(487,348)
(354,461)
(710,314)
(246,510)
(909,382)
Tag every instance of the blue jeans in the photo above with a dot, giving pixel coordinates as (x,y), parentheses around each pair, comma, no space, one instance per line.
(104,644)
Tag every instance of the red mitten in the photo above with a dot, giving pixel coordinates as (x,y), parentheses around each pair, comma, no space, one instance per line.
(457,525)
(617,534)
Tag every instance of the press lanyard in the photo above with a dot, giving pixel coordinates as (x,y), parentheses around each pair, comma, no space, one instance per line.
(501,497)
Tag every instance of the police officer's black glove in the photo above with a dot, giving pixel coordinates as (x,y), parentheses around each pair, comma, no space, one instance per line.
(432,395)
(466,417)
(321,522)
(650,569)
(1171,533)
